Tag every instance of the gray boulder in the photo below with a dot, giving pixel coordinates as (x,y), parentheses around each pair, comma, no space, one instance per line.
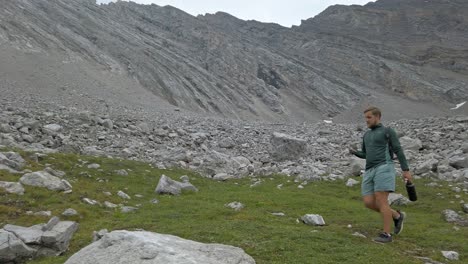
(70,212)
(13,249)
(51,239)
(227,143)
(465,208)
(356,165)
(464,148)
(10,170)
(55,173)
(119,247)
(286,147)
(451,216)
(144,127)
(99,234)
(52,129)
(411,144)
(223,177)
(5,128)
(12,160)
(427,166)
(107,123)
(29,235)
(121,172)
(59,236)
(459,162)
(12,187)
(45,180)
(397,199)
(168,186)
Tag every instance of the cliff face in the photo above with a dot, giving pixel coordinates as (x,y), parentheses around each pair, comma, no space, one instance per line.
(217,64)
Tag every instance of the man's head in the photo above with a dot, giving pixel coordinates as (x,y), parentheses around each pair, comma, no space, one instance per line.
(373,115)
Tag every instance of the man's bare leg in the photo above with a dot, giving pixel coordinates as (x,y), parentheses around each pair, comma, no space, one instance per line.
(381,200)
(371,203)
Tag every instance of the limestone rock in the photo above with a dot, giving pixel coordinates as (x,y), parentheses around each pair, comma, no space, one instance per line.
(12,187)
(168,186)
(119,247)
(44,179)
(286,147)
(313,219)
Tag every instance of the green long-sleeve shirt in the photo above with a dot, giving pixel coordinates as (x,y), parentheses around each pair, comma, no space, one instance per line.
(375,147)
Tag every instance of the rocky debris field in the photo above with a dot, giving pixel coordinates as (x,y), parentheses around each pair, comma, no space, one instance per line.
(224,149)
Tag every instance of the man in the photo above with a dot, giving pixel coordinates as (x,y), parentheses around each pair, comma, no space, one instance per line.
(379,178)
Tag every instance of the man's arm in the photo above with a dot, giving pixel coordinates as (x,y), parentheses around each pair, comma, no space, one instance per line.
(362,153)
(398,150)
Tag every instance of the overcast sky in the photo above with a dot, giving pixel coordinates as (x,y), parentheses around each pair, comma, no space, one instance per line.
(283,12)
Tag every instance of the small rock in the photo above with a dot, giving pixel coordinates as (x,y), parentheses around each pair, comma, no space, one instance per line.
(70,212)
(123,195)
(451,216)
(90,201)
(278,214)
(110,205)
(121,172)
(465,208)
(397,199)
(222,177)
(255,184)
(227,143)
(94,166)
(450,255)
(351,182)
(184,178)
(43,213)
(52,128)
(235,205)
(313,219)
(98,235)
(52,222)
(12,187)
(128,209)
(359,235)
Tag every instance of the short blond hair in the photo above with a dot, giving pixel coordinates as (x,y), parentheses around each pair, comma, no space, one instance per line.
(374,110)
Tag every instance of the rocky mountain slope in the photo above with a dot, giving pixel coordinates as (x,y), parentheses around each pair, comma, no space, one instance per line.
(153,59)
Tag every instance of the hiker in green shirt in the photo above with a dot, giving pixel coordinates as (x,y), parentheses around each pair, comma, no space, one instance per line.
(379,179)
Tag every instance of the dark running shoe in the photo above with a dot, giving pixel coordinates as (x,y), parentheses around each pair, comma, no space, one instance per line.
(399,223)
(383,238)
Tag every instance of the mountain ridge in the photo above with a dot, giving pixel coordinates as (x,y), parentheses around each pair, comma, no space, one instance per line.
(217,64)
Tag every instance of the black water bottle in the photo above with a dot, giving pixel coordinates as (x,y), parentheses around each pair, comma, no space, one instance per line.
(411,189)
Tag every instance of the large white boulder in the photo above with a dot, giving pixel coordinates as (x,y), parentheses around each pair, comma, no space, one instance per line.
(122,247)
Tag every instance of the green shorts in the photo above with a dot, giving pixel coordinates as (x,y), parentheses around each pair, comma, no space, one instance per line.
(379,179)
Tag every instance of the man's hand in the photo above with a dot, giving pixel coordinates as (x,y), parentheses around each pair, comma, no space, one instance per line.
(352,151)
(407,176)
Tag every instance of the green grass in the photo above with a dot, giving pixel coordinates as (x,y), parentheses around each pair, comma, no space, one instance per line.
(202,216)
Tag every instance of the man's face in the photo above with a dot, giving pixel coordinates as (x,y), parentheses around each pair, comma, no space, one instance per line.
(371,119)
